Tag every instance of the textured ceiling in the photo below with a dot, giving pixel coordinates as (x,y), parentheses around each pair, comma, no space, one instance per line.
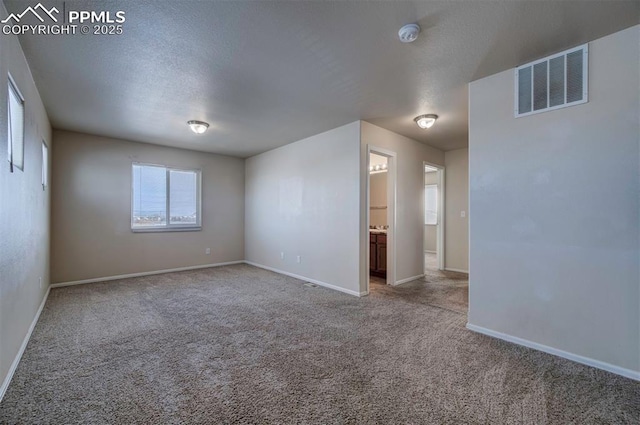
(268,73)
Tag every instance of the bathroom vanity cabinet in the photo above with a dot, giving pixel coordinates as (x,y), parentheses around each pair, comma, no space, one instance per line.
(378,254)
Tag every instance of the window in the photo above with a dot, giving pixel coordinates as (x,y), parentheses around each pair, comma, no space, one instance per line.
(431,204)
(165,198)
(15,144)
(45,166)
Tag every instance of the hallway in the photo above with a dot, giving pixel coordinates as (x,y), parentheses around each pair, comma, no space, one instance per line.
(443,289)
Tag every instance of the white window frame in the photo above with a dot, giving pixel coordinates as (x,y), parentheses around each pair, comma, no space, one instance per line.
(170,227)
(425,204)
(12,86)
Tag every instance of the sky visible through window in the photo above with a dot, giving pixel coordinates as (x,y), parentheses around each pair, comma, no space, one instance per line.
(150,194)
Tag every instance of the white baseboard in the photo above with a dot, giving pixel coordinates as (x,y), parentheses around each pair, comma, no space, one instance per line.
(450,269)
(307,279)
(628,373)
(430,252)
(25,341)
(409,279)
(126,276)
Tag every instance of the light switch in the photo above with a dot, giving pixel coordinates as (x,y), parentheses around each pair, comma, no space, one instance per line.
(463,214)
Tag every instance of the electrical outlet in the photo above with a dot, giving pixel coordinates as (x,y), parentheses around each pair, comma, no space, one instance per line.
(463,214)
(207,251)
(282,255)
(298,259)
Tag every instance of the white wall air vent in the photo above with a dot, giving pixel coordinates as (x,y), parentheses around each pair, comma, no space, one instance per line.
(551,83)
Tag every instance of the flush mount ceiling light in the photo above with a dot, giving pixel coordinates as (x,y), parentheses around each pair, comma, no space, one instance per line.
(409,33)
(426,121)
(198,127)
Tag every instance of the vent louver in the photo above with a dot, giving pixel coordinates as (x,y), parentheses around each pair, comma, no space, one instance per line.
(551,83)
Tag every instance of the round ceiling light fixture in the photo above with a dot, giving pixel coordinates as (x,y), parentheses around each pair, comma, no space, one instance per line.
(198,127)
(409,33)
(426,121)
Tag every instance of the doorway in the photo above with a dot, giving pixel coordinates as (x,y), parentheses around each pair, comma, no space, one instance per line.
(378,220)
(433,218)
(381,197)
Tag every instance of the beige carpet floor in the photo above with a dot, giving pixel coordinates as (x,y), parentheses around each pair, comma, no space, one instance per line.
(430,261)
(239,344)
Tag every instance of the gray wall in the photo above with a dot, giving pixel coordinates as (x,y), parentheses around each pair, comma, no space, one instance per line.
(409,197)
(431,231)
(303,199)
(24,211)
(555,212)
(456,201)
(91,210)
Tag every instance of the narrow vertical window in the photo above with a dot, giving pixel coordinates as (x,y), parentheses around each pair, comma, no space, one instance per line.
(15,107)
(45,166)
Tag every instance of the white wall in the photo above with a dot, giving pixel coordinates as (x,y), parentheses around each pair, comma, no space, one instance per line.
(431,231)
(303,199)
(456,201)
(409,198)
(91,210)
(555,212)
(24,211)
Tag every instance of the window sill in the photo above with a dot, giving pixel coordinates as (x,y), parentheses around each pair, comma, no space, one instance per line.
(166,229)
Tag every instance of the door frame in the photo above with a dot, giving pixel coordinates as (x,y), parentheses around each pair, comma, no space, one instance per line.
(441,215)
(392,179)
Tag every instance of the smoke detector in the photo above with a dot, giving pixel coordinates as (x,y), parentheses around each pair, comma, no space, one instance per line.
(409,33)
